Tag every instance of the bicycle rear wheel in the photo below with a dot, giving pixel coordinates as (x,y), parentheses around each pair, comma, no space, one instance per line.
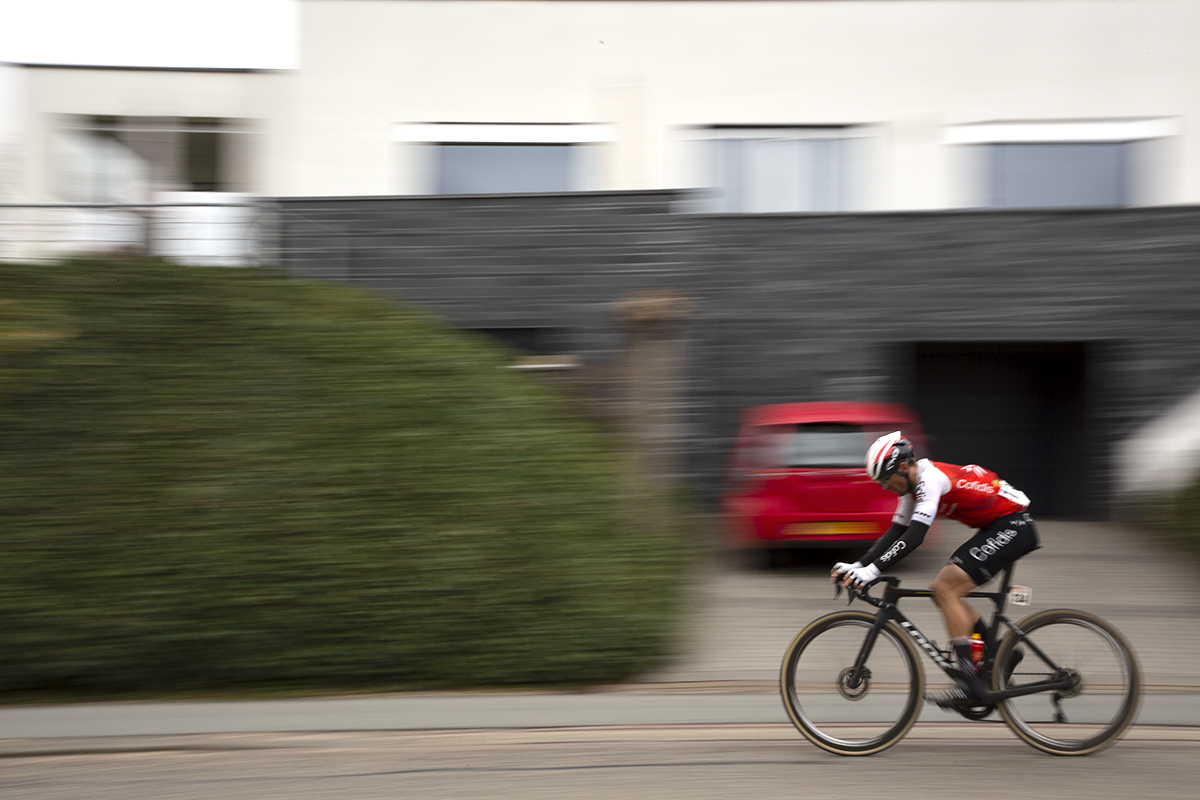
(1105,689)
(822,700)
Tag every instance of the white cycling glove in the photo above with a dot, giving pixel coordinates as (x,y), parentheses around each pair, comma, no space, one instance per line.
(864,575)
(841,567)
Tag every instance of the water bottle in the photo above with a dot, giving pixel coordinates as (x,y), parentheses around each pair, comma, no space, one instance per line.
(977,651)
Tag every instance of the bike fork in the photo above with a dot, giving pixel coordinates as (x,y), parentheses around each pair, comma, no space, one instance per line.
(860,664)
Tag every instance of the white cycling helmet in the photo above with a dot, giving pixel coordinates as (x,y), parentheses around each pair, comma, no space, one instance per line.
(886,454)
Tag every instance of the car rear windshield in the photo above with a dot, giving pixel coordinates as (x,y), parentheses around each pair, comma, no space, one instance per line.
(820,446)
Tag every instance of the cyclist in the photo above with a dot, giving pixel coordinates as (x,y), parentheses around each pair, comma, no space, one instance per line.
(972,495)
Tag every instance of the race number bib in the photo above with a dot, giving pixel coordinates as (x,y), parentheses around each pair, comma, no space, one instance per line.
(1009,492)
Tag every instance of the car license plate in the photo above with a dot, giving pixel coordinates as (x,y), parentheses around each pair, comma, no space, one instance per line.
(830,528)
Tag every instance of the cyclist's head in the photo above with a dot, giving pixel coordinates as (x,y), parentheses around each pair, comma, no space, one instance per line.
(887,454)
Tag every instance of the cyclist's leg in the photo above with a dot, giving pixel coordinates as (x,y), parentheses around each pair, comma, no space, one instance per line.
(974,563)
(949,588)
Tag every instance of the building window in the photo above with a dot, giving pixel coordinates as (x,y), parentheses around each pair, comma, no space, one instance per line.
(780,169)
(491,168)
(204,145)
(127,159)
(1060,164)
(1058,174)
(91,165)
(503,158)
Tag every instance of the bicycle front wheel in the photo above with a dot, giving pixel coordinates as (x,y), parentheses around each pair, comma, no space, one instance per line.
(833,710)
(1104,690)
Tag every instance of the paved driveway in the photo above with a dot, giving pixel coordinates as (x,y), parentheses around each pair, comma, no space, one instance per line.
(742,620)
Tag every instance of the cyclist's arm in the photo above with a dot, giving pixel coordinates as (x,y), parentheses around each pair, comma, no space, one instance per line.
(914,516)
(883,543)
(893,546)
(900,520)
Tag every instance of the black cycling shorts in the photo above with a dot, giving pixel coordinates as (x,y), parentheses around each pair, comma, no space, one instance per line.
(993,548)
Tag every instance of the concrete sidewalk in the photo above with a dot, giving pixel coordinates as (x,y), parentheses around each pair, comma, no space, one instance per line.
(630,706)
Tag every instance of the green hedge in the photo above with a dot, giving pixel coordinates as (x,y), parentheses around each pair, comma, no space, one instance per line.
(1175,517)
(219,478)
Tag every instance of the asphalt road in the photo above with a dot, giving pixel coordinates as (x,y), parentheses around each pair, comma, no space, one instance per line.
(693,762)
(708,725)
(650,705)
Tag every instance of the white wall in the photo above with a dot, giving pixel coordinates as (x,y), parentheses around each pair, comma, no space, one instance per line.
(12,156)
(654,68)
(655,71)
(155,34)
(12,121)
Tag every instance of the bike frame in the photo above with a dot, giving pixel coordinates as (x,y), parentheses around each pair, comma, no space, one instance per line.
(890,612)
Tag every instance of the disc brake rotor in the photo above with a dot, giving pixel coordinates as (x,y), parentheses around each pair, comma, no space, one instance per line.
(854,692)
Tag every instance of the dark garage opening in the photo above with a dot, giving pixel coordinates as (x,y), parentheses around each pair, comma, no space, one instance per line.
(1016,408)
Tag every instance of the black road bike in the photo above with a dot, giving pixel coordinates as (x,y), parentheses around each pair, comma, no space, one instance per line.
(1064,681)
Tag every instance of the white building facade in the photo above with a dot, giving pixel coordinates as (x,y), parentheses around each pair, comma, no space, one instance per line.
(759,105)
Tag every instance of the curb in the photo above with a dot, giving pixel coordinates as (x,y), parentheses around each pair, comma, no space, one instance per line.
(964,733)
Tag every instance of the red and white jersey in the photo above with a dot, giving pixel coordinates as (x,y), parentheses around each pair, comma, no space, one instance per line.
(972,495)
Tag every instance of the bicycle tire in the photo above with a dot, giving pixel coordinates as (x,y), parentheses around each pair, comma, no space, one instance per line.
(1094,713)
(831,714)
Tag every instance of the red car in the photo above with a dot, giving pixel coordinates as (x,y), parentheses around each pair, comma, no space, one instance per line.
(797,478)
